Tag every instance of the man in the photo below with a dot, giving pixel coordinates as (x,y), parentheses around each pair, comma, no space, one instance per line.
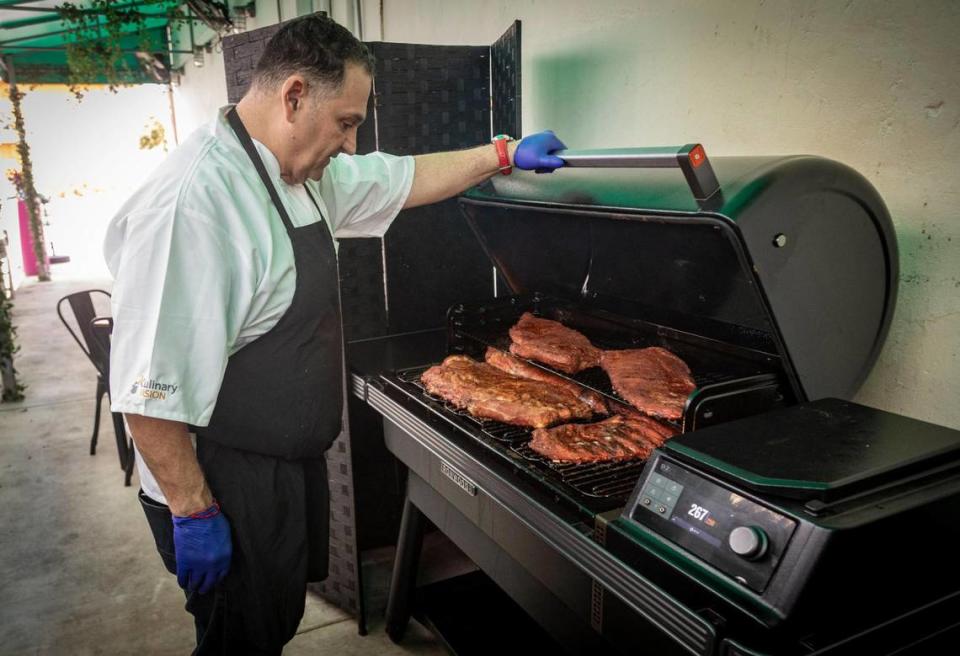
(227,324)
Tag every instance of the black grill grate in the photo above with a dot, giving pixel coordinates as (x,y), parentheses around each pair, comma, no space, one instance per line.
(612,480)
(594,378)
(472,329)
(604,480)
(493,429)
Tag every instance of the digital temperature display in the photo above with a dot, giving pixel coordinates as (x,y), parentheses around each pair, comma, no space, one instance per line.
(661,495)
(699,515)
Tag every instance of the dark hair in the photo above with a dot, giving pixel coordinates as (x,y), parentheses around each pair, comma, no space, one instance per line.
(314,46)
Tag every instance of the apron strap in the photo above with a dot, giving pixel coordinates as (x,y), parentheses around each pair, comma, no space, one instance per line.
(314,201)
(234,119)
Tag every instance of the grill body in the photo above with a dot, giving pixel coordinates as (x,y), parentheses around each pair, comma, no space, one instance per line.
(776,289)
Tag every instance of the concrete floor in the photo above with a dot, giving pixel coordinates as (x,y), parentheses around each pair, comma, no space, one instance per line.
(79,572)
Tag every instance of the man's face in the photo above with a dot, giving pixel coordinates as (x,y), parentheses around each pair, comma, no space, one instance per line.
(326,125)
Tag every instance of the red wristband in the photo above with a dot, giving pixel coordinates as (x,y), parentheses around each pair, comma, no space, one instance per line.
(500,143)
(208,513)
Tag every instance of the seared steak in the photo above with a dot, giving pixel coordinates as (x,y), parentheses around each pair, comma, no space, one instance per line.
(506,362)
(553,344)
(488,393)
(616,438)
(653,379)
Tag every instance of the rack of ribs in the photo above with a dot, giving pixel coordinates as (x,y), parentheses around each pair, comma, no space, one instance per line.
(488,393)
(553,344)
(616,438)
(517,367)
(653,380)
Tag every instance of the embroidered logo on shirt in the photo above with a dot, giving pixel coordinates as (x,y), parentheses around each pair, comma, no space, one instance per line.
(153,389)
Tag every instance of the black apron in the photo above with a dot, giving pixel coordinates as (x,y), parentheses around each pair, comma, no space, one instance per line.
(278,411)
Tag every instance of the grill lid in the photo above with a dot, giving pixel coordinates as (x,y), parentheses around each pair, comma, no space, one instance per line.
(793,256)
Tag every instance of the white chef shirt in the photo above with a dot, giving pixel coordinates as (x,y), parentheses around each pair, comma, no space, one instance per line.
(203,264)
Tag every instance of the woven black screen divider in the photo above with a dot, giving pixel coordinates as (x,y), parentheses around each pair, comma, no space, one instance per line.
(430,99)
(241,52)
(361,264)
(505,82)
(367,132)
(342,585)
(433,261)
(361,288)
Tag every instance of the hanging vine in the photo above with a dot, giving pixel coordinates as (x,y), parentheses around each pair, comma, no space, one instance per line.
(12,390)
(99,29)
(26,189)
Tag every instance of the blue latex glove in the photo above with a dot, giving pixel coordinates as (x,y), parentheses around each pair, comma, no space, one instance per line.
(533,153)
(203,549)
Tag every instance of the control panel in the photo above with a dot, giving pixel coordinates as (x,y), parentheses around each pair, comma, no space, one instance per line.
(743,539)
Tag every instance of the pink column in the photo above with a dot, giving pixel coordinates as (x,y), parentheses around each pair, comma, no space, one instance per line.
(26,240)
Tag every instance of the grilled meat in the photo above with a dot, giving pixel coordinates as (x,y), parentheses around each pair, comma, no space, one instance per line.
(506,362)
(553,344)
(665,430)
(488,393)
(653,380)
(616,438)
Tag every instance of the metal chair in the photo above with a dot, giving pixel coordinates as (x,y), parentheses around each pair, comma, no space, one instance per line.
(95,344)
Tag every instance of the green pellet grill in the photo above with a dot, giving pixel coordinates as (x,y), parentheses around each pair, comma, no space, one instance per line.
(782,519)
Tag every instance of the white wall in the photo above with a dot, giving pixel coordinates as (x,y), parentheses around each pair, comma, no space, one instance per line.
(872,83)
(199,94)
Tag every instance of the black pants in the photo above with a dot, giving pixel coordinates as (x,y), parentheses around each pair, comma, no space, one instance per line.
(278,511)
(208,616)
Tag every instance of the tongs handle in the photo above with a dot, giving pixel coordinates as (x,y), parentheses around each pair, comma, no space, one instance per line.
(691,159)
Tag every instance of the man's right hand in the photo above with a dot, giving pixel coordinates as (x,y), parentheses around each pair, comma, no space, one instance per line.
(535,152)
(203,549)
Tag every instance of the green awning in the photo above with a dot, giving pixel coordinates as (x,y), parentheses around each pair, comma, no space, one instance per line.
(35,38)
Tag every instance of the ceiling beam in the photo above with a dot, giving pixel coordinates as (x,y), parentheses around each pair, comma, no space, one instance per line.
(45,10)
(34,37)
(58,10)
(43,35)
(23,22)
(6,4)
(26,22)
(12,50)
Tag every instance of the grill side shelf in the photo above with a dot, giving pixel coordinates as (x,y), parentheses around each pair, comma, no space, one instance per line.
(679,622)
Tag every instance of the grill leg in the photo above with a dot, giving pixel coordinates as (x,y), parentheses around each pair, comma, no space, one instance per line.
(404,580)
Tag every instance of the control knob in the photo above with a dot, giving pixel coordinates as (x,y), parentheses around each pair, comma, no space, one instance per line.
(748,542)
